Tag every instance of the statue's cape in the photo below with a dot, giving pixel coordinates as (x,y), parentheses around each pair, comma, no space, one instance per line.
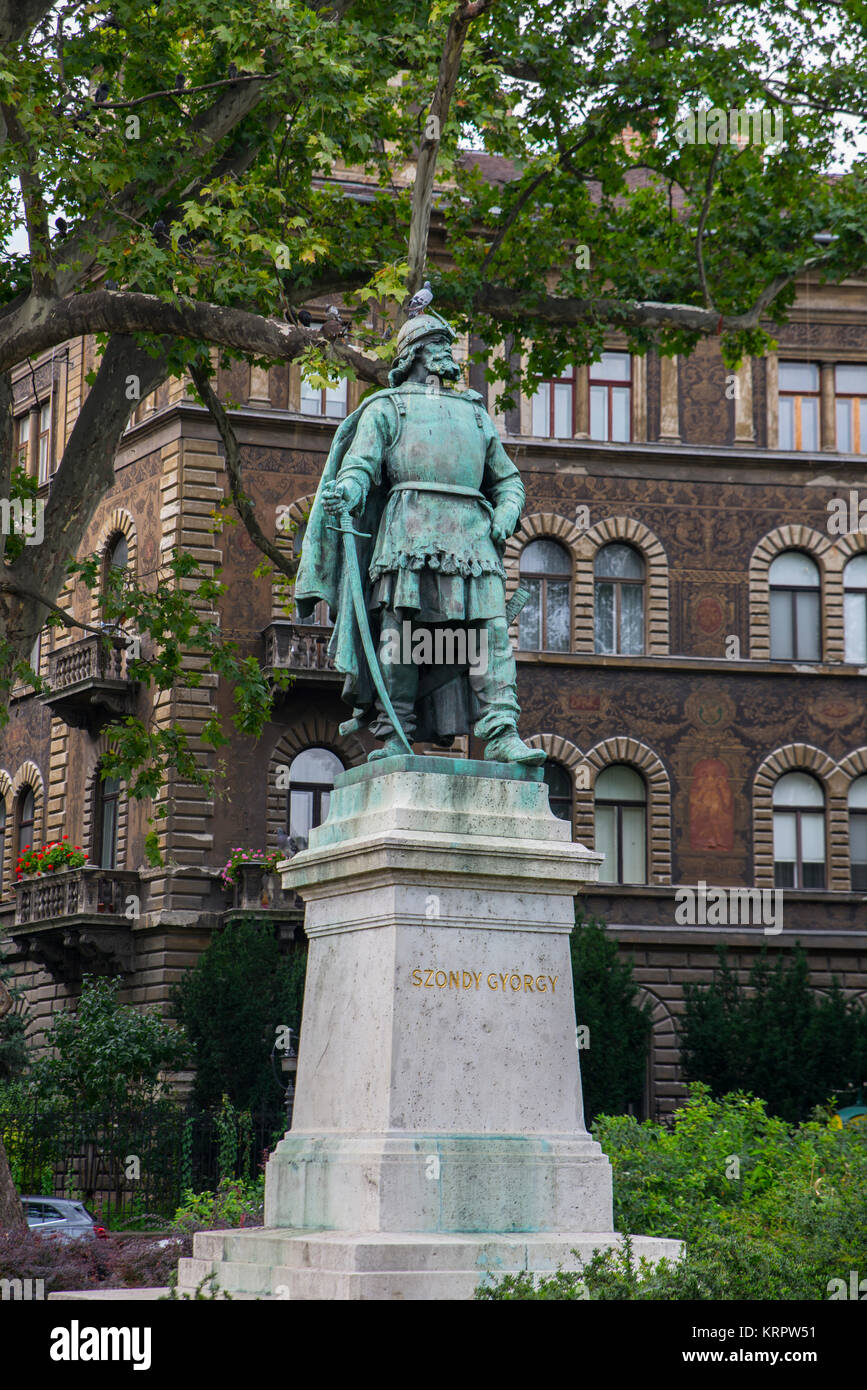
(322,573)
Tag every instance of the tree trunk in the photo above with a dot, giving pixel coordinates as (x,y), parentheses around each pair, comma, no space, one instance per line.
(11,1211)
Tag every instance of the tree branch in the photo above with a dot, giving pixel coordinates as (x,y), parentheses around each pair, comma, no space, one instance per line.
(38,234)
(286,564)
(425,169)
(126,312)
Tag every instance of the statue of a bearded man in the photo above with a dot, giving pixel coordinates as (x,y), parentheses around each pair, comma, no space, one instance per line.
(433,497)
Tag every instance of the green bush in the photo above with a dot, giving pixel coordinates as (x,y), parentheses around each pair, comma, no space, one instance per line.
(613,1064)
(231,1003)
(107,1055)
(776,1037)
(768,1210)
(233,1204)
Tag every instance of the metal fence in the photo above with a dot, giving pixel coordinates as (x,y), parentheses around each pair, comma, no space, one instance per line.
(134,1163)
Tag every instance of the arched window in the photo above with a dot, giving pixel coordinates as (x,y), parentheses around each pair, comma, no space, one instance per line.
(546,618)
(311,778)
(795,593)
(559,784)
(26,818)
(619,600)
(621,824)
(858,833)
(117,553)
(105,838)
(799,832)
(855,609)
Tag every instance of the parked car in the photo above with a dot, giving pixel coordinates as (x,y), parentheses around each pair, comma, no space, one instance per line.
(59,1216)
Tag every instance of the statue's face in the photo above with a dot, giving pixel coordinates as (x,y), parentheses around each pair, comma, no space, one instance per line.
(436,356)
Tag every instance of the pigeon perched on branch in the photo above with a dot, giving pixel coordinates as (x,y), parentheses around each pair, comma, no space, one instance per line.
(233,71)
(304,318)
(420,300)
(62,225)
(101,93)
(180,81)
(333,327)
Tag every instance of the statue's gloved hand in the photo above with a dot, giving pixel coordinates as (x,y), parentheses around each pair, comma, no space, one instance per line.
(336,496)
(504,522)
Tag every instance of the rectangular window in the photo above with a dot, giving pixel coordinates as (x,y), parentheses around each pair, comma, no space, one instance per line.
(606,842)
(45,442)
(329,401)
(850,385)
(611,398)
(799,406)
(22,440)
(553,407)
(858,851)
(855,628)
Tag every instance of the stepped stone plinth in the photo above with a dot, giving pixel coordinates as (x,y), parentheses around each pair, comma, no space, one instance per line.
(438,1135)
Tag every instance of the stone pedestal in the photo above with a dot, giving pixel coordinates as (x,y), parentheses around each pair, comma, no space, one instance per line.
(438,1131)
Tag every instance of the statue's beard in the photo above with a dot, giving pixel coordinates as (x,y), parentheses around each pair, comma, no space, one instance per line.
(442,364)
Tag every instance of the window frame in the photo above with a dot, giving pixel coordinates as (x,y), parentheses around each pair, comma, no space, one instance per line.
(859,431)
(317,788)
(567,578)
(797,414)
(551,382)
(799,812)
(20,822)
(861,592)
(608,383)
(104,799)
(617,582)
(619,804)
(793,590)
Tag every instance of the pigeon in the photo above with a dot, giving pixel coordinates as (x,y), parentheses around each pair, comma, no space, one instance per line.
(101,93)
(180,81)
(420,300)
(333,327)
(233,71)
(159,229)
(304,318)
(62,225)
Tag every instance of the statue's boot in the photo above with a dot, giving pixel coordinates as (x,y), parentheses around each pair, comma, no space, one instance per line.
(392,748)
(509,747)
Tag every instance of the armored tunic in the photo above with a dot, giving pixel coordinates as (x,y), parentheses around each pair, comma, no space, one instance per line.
(433,557)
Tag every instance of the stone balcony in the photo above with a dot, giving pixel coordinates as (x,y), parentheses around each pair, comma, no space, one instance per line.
(89,682)
(260,895)
(301,649)
(78,920)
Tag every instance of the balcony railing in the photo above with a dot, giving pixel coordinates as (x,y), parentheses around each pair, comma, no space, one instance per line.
(89,682)
(90,659)
(299,647)
(77,920)
(85,892)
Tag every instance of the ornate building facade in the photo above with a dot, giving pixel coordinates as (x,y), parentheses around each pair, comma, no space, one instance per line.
(692,658)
